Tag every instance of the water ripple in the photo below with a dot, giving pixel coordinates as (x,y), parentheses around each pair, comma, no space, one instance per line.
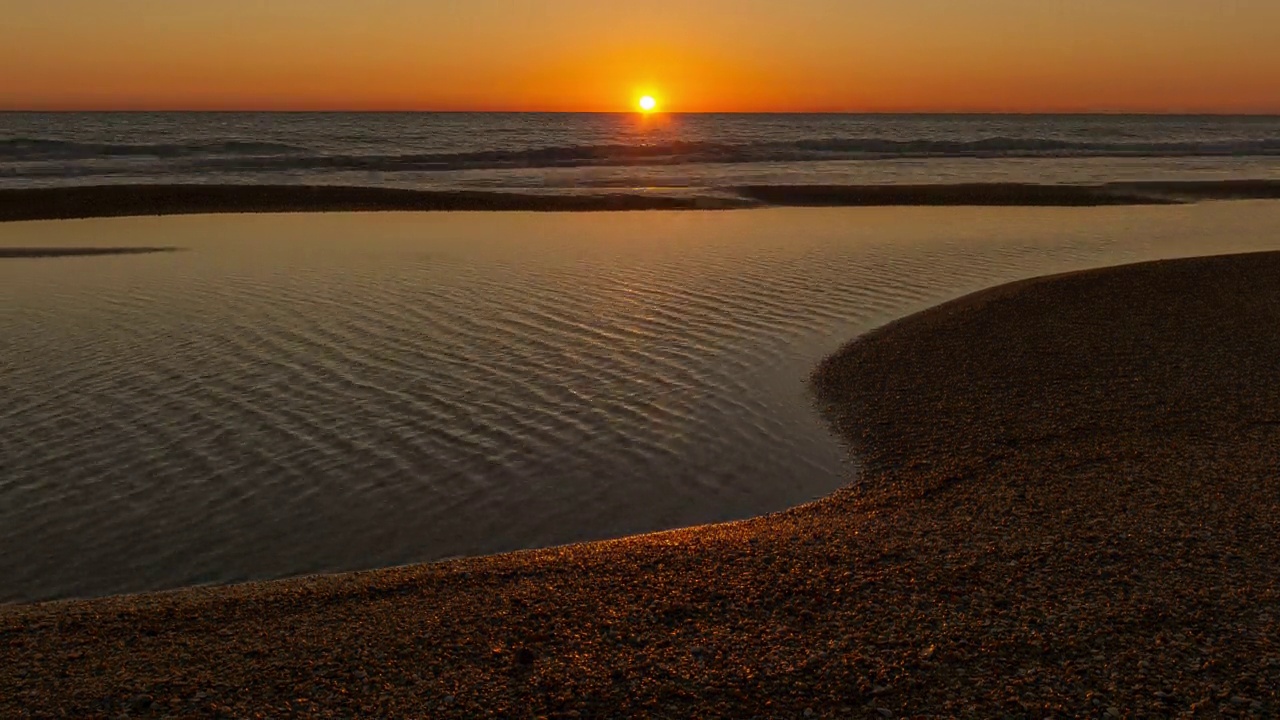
(302,394)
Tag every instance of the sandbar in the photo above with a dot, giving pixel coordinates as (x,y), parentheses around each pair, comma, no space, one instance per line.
(54,251)
(54,203)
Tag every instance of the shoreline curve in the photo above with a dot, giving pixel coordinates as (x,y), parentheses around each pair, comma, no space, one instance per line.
(1069,504)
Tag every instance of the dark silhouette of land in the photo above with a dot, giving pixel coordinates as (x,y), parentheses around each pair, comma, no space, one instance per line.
(141,200)
(51,252)
(974,194)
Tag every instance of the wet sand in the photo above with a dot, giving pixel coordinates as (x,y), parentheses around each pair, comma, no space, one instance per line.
(1069,507)
(141,200)
(967,194)
(1159,192)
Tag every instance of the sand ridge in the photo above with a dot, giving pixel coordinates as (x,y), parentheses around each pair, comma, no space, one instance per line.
(1069,508)
(14,253)
(54,203)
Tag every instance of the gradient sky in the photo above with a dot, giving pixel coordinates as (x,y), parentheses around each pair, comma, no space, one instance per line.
(694,55)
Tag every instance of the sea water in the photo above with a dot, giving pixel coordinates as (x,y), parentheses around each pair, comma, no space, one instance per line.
(602,153)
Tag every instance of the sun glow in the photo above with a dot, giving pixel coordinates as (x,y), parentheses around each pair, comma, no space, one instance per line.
(647,104)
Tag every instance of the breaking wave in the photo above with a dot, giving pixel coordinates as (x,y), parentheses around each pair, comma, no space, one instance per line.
(266,156)
(34,149)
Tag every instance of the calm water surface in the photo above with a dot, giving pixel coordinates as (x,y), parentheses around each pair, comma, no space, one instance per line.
(294,394)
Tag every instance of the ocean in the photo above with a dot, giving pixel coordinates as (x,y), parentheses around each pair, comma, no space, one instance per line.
(302,393)
(607,153)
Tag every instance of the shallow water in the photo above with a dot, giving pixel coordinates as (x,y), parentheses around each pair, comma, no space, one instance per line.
(303,393)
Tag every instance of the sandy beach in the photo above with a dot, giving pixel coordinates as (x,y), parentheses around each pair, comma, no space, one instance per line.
(1068,508)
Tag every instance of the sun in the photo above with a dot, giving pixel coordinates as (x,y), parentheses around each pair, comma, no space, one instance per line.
(647,104)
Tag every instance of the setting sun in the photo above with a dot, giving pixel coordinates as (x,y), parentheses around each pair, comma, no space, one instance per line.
(648,104)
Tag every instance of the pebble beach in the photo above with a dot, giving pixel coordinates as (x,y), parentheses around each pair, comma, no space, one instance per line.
(1067,508)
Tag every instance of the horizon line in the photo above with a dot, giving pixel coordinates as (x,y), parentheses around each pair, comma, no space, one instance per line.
(389,111)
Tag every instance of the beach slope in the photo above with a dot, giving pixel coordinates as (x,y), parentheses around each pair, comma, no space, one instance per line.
(1070,506)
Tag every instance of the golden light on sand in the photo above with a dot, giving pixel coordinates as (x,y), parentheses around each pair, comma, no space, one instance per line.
(647,104)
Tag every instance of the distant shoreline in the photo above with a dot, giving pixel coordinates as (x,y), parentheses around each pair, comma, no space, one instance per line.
(10,253)
(62,203)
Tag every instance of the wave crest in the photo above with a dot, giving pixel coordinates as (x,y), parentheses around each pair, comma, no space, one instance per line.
(268,156)
(30,149)
(679,153)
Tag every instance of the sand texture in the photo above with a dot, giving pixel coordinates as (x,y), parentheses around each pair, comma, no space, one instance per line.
(1070,507)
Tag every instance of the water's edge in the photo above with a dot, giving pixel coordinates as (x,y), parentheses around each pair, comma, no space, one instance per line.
(156,199)
(820,402)
(620,375)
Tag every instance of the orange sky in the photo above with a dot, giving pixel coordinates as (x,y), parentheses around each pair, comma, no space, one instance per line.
(694,55)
